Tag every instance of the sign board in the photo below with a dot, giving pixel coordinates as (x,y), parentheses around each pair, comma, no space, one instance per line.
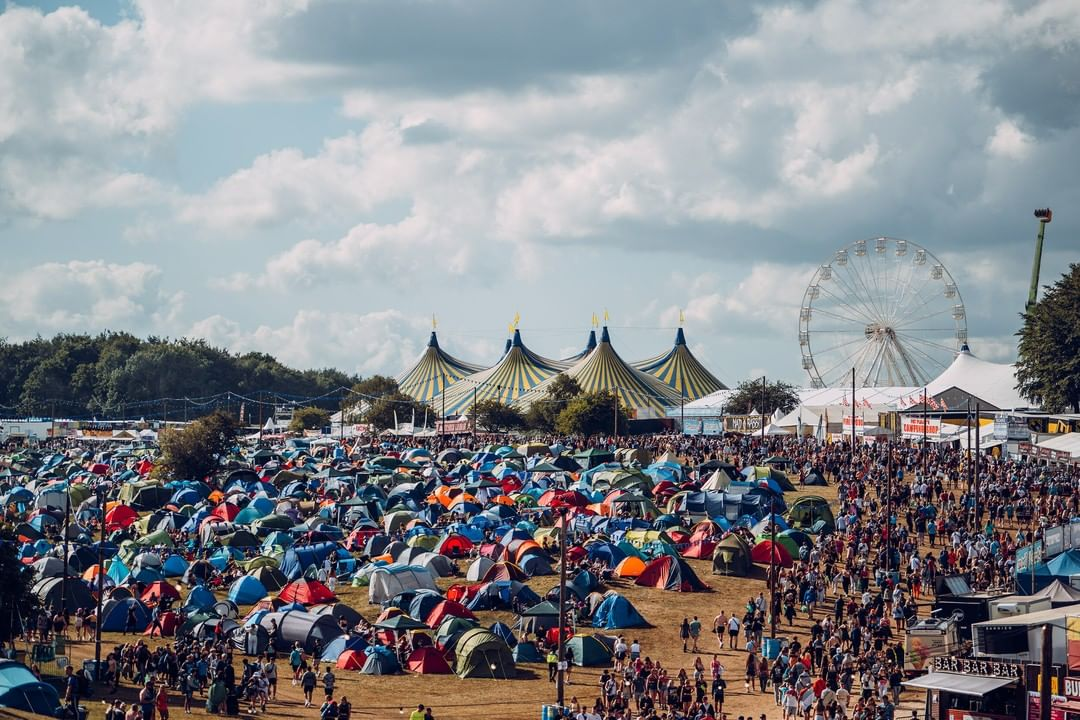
(692,426)
(922,649)
(1035,705)
(859,421)
(914,426)
(712,426)
(982,668)
(1072,687)
(1028,556)
(1010,427)
(975,715)
(746,424)
(1054,541)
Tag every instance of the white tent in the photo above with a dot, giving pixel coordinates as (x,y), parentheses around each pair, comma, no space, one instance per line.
(718,481)
(993,382)
(388,581)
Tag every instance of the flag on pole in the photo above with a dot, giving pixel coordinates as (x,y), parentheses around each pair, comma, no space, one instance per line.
(395,420)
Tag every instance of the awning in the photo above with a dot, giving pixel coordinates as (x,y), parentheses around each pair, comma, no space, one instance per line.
(974,685)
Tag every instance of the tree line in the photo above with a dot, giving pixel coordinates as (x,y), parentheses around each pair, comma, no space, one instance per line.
(105,375)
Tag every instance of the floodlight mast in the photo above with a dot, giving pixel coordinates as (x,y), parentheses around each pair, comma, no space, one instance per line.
(1044,216)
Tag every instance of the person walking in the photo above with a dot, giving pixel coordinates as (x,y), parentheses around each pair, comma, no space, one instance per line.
(695,632)
(684,634)
(307,683)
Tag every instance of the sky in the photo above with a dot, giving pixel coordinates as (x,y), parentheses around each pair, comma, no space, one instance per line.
(317,178)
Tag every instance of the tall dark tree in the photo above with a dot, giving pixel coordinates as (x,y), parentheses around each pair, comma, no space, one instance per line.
(309,418)
(16,602)
(1048,362)
(749,396)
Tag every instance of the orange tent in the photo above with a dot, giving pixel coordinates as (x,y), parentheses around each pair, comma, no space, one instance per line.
(307,592)
(630,567)
(351,660)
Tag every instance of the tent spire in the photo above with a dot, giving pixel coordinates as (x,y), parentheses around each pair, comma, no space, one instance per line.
(604,337)
(680,339)
(433,342)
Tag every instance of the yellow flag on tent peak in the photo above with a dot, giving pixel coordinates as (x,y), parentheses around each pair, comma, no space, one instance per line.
(595,320)
(605,315)
(434,322)
(682,316)
(517,319)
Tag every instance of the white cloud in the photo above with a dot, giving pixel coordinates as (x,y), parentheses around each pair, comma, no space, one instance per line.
(378,341)
(88,296)
(1009,141)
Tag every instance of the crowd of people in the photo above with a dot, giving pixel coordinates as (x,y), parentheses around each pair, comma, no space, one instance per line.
(905,514)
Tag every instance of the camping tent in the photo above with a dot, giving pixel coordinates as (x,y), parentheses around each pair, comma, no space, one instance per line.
(732,557)
(808,511)
(617,612)
(306,592)
(114,615)
(427,661)
(380,661)
(766,552)
(21,690)
(815,478)
(301,627)
(526,652)
(51,592)
(587,651)
(670,573)
(481,653)
(246,590)
(386,582)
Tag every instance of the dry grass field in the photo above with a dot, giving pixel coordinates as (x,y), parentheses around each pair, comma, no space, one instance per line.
(385,697)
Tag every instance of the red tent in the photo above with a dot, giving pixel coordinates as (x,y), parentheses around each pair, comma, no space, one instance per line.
(307,592)
(157,590)
(445,609)
(351,660)
(764,552)
(454,545)
(226,511)
(503,571)
(144,467)
(670,573)
(427,661)
(699,549)
(99,469)
(121,516)
(576,553)
(169,622)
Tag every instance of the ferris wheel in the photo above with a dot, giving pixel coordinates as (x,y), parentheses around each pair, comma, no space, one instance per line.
(887,308)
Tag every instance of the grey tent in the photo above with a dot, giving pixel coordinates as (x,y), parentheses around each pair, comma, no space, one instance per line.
(814,477)
(253,640)
(51,592)
(301,627)
(338,611)
(526,652)
(271,578)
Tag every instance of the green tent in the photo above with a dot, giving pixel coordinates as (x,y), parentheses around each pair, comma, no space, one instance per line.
(482,653)
(732,557)
(808,511)
(587,651)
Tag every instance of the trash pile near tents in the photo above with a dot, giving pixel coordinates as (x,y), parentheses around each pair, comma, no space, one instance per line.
(256,551)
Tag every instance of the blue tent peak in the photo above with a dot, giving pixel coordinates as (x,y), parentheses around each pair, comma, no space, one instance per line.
(680,339)
(604,337)
(591,344)
(517,338)
(433,342)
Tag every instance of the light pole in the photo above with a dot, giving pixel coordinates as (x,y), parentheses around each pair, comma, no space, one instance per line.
(978,413)
(925,420)
(762,413)
(67,518)
(100,584)
(560,672)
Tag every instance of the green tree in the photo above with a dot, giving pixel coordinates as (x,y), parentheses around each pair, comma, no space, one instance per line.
(1048,362)
(544,413)
(591,414)
(497,416)
(16,601)
(382,412)
(309,418)
(749,396)
(195,451)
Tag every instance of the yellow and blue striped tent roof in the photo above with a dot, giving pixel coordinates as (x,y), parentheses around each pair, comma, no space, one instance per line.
(433,373)
(679,369)
(519,371)
(589,347)
(641,394)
